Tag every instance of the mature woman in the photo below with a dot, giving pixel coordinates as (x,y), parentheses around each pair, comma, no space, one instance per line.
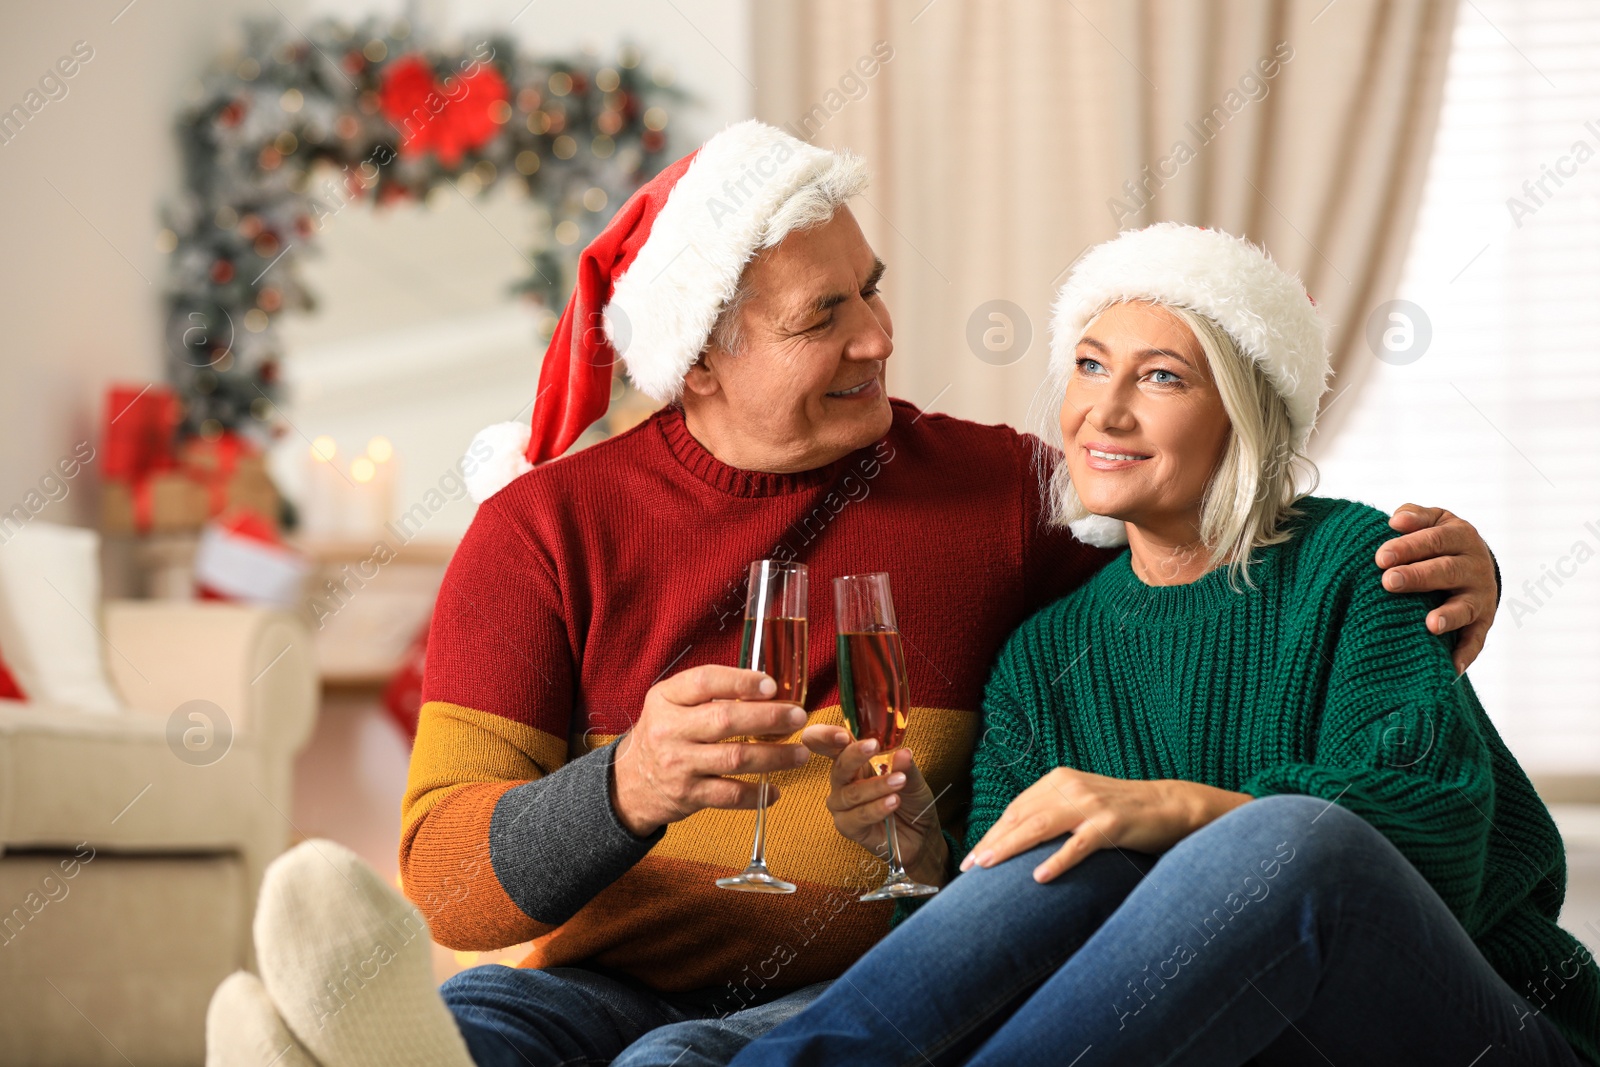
(1232,802)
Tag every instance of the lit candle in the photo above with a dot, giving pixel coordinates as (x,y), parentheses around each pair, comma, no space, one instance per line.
(364,497)
(381,451)
(320,510)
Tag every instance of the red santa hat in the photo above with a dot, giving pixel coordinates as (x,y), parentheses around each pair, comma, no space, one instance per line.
(1261,306)
(650,286)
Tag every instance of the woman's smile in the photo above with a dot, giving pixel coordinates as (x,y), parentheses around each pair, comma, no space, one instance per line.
(1104,457)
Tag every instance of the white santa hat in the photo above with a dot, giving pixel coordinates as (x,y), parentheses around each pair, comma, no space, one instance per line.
(1262,307)
(650,286)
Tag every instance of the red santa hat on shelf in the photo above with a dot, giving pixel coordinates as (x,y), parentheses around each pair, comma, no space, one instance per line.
(650,286)
(1262,307)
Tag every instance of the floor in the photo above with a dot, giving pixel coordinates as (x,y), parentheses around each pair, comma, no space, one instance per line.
(350,778)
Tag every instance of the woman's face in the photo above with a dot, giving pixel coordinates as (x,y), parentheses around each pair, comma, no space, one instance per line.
(1142,424)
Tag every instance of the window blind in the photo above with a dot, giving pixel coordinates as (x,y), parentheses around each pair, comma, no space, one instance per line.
(1498,418)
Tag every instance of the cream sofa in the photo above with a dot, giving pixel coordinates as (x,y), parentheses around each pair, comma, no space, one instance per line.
(128,862)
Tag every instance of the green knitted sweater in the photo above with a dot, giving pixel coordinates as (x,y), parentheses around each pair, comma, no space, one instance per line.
(1316,681)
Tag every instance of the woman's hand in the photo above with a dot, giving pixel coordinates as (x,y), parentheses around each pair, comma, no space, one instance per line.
(861,800)
(1101,813)
(1445,553)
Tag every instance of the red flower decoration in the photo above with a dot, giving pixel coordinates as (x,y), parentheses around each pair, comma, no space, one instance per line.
(447,119)
(407,84)
(467,122)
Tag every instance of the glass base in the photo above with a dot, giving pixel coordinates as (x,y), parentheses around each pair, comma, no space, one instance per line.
(755,879)
(898,889)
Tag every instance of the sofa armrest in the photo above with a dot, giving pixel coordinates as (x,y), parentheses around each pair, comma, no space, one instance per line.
(256,664)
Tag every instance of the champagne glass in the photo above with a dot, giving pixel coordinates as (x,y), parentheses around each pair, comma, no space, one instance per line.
(876,694)
(774,642)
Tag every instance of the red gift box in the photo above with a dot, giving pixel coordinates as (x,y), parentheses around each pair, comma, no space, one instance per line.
(155,485)
(140,431)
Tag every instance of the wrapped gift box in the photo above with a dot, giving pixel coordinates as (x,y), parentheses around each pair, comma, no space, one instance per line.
(163,502)
(156,485)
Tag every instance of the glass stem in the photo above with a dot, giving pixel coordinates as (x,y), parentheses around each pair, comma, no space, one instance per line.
(897,873)
(758,852)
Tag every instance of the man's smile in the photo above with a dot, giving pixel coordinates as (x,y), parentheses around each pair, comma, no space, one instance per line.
(866,388)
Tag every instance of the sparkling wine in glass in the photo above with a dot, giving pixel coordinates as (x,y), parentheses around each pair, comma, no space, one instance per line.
(876,694)
(774,642)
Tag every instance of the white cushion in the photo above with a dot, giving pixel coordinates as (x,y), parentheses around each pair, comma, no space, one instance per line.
(49,601)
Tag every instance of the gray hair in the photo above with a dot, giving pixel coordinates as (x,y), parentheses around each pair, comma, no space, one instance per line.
(1250,496)
(813,204)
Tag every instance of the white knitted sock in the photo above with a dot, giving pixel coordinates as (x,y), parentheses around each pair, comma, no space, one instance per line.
(347,963)
(243,1029)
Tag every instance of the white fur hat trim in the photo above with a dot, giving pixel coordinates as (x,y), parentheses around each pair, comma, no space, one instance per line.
(1263,308)
(716,218)
(1101,531)
(497,456)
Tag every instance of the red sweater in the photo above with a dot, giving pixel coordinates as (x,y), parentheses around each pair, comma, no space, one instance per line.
(588,579)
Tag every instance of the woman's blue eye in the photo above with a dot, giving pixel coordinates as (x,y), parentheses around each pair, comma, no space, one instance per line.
(1090,366)
(1171,378)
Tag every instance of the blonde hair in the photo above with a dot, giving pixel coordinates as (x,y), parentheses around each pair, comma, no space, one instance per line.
(1250,496)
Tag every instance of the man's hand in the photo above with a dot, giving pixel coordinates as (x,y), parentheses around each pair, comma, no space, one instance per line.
(861,800)
(1099,812)
(1441,552)
(676,758)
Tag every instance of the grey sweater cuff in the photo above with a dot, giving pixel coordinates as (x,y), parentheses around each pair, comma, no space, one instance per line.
(556,842)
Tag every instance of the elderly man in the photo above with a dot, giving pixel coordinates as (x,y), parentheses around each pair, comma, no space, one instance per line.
(581,775)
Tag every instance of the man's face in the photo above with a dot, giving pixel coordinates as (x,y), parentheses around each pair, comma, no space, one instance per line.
(807,384)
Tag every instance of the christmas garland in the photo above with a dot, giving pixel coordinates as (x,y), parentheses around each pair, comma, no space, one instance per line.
(282,136)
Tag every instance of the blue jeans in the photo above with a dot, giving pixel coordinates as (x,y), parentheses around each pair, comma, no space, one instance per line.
(574,1017)
(1288,931)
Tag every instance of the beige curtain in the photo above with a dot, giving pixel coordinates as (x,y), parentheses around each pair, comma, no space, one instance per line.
(1007,136)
